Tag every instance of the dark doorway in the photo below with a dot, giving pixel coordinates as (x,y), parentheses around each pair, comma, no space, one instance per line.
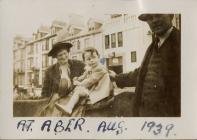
(116,69)
(115,64)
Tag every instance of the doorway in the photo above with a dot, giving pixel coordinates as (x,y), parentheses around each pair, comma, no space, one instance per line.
(116,69)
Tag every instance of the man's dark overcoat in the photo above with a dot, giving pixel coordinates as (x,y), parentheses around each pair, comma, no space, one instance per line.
(170,103)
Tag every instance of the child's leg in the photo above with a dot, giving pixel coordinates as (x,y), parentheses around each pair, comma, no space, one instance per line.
(78,92)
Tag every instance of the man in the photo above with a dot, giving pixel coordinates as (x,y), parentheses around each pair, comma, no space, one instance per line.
(158,78)
(59,77)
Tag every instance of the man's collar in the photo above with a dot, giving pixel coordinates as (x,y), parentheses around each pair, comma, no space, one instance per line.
(164,37)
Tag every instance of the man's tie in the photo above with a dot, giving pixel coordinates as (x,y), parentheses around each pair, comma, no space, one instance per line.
(156,42)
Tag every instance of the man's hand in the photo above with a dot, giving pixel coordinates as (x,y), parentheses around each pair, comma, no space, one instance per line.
(112,74)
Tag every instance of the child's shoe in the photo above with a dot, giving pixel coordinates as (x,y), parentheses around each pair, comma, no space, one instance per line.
(63,108)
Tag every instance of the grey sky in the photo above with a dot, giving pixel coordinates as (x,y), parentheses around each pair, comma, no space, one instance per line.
(23,17)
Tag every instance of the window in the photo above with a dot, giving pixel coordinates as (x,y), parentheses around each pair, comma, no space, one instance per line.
(78,44)
(45,61)
(14,55)
(74,57)
(52,30)
(36,78)
(54,60)
(30,63)
(24,53)
(43,76)
(116,15)
(29,77)
(22,66)
(15,67)
(133,56)
(87,42)
(57,29)
(21,54)
(42,35)
(120,39)
(30,50)
(36,61)
(36,36)
(45,45)
(113,40)
(107,42)
(52,41)
(37,47)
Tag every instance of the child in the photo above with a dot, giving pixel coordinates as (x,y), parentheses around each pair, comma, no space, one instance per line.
(86,83)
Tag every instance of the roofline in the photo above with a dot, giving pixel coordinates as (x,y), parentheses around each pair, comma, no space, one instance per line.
(69,38)
(41,39)
(83,35)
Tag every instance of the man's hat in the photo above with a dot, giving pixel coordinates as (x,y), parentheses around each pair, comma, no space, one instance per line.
(59,46)
(144,17)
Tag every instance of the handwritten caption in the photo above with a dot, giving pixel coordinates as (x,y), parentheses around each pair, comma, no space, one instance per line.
(102,126)
(157,128)
(60,126)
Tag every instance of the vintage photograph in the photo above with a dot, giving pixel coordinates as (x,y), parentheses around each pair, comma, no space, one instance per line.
(109,65)
(98,69)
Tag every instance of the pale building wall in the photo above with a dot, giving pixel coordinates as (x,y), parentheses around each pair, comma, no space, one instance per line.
(39,62)
(134,39)
(97,42)
(19,60)
(26,56)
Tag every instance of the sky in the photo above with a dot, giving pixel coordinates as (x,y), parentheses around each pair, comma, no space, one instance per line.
(23,17)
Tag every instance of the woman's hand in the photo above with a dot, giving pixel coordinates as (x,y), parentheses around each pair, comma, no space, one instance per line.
(75,78)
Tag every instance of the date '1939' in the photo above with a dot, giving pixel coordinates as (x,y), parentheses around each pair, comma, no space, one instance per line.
(156,129)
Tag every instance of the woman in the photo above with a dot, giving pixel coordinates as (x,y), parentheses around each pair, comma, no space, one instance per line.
(58,77)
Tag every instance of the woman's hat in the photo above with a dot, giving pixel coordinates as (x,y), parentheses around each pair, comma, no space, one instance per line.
(59,46)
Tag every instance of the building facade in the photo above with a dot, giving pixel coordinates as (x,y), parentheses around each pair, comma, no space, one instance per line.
(19,60)
(31,57)
(123,42)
